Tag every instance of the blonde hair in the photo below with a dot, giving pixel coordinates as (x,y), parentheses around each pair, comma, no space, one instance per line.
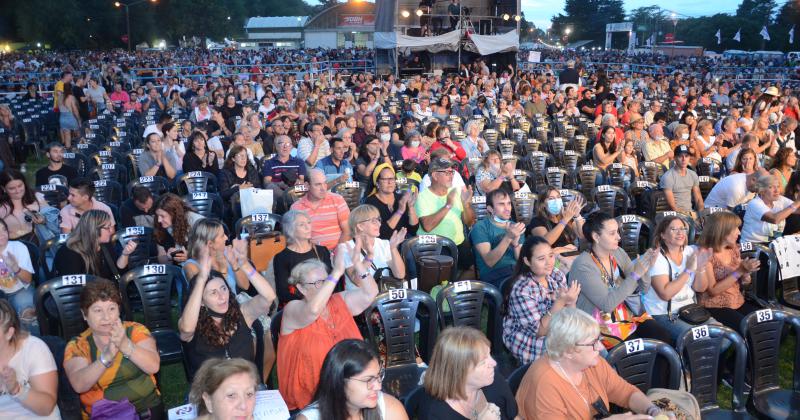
(457,350)
(359,215)
(567,328)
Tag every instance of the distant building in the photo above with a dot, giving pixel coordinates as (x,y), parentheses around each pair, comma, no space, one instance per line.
(276,31)
(344,25)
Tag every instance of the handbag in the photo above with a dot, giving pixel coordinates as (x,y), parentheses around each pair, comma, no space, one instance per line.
(680,403)
(692,313)
(114,410)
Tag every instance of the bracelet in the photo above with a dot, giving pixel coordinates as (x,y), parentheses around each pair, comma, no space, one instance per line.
(399,213)
(448,206)
(736,274)
(251,272)
(562,222)
(130,350)
(103,362)
(636,276)
(689,272)
(237,268)
(368,260)
(331,279)
(653,410)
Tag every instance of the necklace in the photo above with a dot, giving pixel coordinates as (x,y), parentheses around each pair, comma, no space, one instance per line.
(563,372)
(471,410)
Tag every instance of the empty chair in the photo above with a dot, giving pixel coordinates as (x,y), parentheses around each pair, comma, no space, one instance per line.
(588,178)
(651,171)
(763,332)
(525,205)
(620,175)
(556,176)
(635,234)
(79,161)
(196,181)
(205,203)
(706,184)
(258,223)
(399,309)
(108,192)
(426,245)
(700,349)
(634,361)
(709,167)
(352,192)
(610,199)
(466,301)
(156,184)
(478,203)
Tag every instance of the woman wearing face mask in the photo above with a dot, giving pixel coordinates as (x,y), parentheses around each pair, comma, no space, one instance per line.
(560,225)
(493,173)
(538,290)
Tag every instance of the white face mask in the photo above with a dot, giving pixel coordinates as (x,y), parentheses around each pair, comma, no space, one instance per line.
(712,138)
(685,136)
(386,136)
(415,143)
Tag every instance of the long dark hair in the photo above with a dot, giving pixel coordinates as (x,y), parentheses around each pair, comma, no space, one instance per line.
(217,335)
(521,269)
(9,175)
(346,359)
(613,147)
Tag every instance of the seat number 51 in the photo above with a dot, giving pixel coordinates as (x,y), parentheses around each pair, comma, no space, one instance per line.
(700,332)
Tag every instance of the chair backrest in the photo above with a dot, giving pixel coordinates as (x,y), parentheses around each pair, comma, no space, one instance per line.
(569,195)
(762,279)
(610,199)
(632,239)
(48,252)
(206,203)
(352,192)
(466,300)
(108,171)
(587,178)
(77,161)
(618,173)
(143,236)
(708,166)
(54,194)
(65,292)
(478,204)
(156,184)
(525,205)
(699,349)
(412,401)
(257,223)
(196,181)
(424,245)
(763,331)
(154,284)
(651,171)
(107,191)
(515,379)
(634,361)
(399,309)
(555,177)
(706,184)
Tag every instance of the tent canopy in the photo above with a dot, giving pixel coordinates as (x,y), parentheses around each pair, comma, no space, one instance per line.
(484,44)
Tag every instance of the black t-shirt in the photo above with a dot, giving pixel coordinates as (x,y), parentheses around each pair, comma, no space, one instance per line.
(44,173)
(497,393)
(239,345)
(68,261)
(83,104)
(386,213)
(586,103)
(537,221)
(130,215)
(285,261)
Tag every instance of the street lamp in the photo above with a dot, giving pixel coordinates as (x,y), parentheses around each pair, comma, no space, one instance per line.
(128,16)
(567,31)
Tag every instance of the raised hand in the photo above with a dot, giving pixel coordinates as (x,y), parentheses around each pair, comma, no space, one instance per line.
(645,262)
(569,295)
(118,333)
(452,196)
(514,231)
(358,261)
(749,265)
(397,238)
(130,247)
(466,194)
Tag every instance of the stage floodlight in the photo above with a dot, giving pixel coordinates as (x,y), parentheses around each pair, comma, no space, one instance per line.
(405,13)
(506,16)
(419,12)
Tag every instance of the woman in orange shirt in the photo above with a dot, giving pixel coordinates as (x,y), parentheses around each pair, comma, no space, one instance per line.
(311,326)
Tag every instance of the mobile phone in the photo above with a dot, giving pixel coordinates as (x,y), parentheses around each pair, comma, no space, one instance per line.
(174,253)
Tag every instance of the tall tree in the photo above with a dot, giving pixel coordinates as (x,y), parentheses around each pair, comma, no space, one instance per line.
(587,19)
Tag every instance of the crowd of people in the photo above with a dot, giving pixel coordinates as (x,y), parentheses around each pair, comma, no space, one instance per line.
(451,155)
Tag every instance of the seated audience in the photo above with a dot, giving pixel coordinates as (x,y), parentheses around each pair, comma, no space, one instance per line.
(173,220)
(328,211)
(225,389)
(296,226)
(89,249)
(397,210)
(55,165)
(497,239)
(81,200)
(138,210)
(766,214)
(21,208)
(16,275)
(364,223)
(561,225)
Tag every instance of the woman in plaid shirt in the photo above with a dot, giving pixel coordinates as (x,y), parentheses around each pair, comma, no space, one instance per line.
(537,291)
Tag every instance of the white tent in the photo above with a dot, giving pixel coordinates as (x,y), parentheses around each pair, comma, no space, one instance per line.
(490,44)
(445,41)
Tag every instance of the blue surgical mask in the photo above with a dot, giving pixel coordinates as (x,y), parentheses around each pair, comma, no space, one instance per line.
(497,219)
(554,206)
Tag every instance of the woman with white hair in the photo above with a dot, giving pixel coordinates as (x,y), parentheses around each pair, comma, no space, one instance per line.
(766,214)
(473,143)
(573,381)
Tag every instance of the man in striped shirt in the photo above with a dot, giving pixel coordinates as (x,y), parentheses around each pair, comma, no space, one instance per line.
(328,211)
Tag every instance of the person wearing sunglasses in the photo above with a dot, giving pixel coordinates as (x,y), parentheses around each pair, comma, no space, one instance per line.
(350,386)
(572,381)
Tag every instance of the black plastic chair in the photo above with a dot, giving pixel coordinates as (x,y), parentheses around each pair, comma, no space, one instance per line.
(154,286)
(143,236)
(789,286)
(466,300)
(352,192)
(524,205)
(634,361)
(399,309)
(205,203)
(78,161)
(109,172)
(196,181)
(763,331)
(618,172)
(413,399)
(35,255)
(258,223)
(48,250)
(424,245)
(108,192)
(54,194)
(632,240)
(610,199)
(156,184)
(515,379)
(587,178)
(65,292)
(700,349)
(478,204)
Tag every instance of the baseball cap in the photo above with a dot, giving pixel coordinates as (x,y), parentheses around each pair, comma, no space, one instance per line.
(682,149)
(441,163)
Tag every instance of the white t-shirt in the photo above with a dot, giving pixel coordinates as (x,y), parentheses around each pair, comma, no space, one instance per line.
(34,358)
(729,192)
(381,255)
(312,412)
(756,230)
(20,252)
(652,302)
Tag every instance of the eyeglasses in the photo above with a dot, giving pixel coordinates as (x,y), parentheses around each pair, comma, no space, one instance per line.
(446,172)
(109,228)
(375,220)
(593,343)
(317,284)
(387,179)
(372,381)
(679,230)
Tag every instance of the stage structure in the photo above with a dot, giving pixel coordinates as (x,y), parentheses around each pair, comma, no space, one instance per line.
(481,26)
(621,27)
